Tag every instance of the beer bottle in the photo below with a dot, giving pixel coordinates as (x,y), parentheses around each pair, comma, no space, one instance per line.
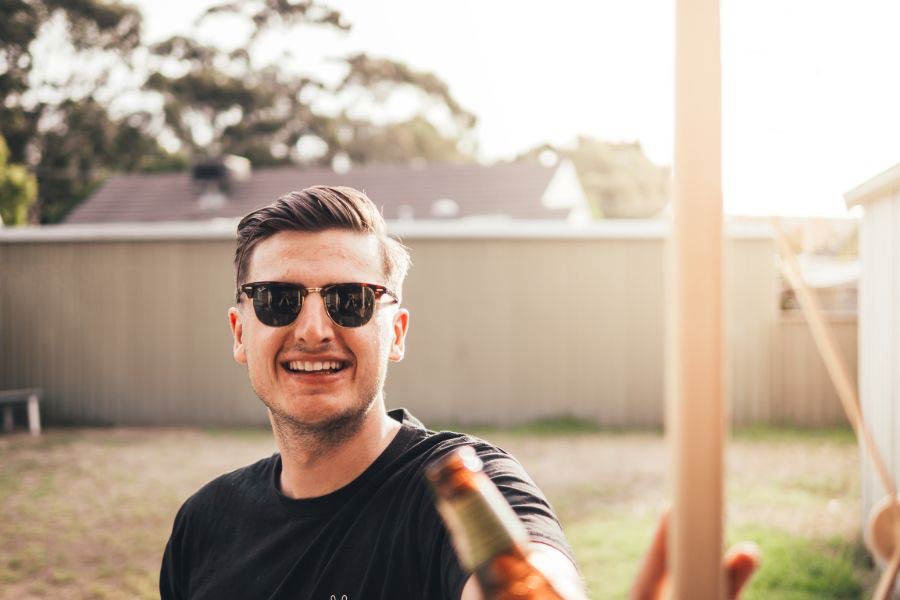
(489,538)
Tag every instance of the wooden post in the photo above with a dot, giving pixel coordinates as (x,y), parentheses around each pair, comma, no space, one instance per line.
(34,415)
(695,415)
(7,418)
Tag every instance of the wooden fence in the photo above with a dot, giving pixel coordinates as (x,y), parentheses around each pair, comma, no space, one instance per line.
(127,325)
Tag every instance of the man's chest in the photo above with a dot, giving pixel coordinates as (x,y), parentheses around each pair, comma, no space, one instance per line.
(370,552)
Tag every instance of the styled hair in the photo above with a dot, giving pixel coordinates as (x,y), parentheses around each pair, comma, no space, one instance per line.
(315,209)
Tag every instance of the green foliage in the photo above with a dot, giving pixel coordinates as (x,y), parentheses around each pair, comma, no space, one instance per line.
(18,189)
(91,24)
(266,14)
(618,178)
(214,101)
(262,112)
(85,145)
(371,73)
(415,139)
(71,143)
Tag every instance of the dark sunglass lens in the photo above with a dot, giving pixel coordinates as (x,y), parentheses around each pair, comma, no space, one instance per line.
(350,304)
(277,305)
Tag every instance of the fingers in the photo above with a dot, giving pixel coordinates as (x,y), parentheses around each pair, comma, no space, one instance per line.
(740,562)
(651,583)
(651,576)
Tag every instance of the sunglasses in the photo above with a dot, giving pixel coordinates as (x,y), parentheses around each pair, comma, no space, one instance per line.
(277,304)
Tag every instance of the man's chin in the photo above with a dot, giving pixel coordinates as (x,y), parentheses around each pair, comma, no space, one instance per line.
(323,427)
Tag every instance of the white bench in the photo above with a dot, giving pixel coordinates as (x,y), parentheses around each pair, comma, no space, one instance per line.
(32,398)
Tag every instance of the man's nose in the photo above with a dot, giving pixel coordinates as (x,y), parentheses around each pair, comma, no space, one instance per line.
(313,325)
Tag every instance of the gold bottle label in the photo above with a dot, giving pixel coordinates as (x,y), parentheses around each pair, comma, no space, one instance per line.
(481,524)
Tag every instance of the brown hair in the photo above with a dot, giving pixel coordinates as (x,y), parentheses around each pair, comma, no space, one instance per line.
(316,209)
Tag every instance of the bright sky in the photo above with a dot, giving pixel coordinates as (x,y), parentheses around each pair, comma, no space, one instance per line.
(810,91)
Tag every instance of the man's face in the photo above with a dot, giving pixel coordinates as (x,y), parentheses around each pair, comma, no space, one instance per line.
(317,399)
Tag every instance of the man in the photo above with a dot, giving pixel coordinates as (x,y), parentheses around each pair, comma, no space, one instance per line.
(343,509)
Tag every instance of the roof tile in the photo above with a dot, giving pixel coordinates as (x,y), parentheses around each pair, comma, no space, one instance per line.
(514,190)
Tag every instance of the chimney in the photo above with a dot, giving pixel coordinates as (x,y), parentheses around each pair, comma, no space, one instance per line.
(214,177)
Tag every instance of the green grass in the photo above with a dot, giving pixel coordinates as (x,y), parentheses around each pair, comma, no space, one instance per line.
(559,425)
(88,511)
(757,433)
(795,568)
(609,547)
(565,424)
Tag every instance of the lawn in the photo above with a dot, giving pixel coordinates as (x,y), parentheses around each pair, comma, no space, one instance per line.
(86,512)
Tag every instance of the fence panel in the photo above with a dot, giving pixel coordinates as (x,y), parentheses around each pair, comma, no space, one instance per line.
(506,327)
(802,391)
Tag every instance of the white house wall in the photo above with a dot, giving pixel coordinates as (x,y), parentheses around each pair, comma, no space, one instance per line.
(879,337)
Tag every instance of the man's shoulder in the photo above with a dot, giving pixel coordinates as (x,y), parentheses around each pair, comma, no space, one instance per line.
(249,482)
(434,444)
(511,478)
(496,462)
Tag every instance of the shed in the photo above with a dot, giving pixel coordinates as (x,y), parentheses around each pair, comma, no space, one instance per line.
(879,322)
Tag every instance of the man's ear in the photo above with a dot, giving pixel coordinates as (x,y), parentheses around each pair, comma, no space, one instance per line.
(398,344)
(237,331)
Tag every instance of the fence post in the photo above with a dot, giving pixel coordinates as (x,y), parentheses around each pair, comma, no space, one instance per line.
(7,418)
(34,415)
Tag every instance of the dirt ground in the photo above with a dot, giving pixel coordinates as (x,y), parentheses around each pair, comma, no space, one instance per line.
(86,513)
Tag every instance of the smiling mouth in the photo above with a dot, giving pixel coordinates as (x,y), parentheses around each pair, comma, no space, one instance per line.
(314,367)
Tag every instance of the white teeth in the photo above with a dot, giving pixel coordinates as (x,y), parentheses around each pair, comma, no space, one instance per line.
(299,365)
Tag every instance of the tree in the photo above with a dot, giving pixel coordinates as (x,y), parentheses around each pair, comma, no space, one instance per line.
(70,134)
(219,102)
(85,146)
(18,190)
(62,130)
(618,178)
(91,25)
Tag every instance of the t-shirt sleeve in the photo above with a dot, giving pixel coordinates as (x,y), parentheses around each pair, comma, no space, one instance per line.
(172,572)
(526,499)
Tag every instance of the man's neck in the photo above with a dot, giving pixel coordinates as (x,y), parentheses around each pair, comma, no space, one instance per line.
(309,472)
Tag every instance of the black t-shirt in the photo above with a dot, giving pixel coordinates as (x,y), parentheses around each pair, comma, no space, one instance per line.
(378,537)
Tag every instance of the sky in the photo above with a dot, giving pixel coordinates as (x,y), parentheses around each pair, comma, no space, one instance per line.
(809,87)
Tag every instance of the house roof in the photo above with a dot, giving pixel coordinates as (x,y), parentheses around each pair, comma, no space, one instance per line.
(518,190)
(872,190)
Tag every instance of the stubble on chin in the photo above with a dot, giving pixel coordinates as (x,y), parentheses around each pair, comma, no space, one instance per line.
(317,438)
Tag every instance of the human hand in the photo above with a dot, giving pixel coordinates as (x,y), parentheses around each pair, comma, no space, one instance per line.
(652,581)
(555,566)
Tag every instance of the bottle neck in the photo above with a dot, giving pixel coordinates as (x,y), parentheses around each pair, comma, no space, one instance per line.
(481,523)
